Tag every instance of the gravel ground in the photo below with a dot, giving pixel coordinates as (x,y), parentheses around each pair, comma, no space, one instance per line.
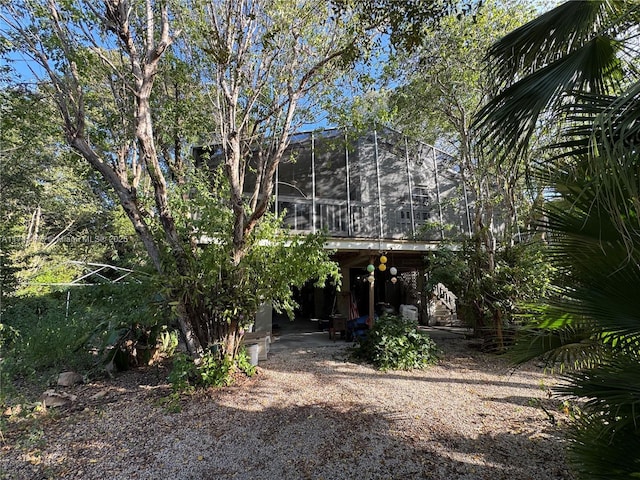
(310,413)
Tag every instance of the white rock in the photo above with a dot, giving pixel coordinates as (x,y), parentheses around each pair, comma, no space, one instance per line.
(51,398)
(99,395)
(67,379)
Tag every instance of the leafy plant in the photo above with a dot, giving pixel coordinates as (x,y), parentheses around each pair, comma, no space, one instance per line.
(395,344)
(8,336)
(83,329)
(183,373)
(126,321)
(581,74)
(223,296)
(212,369)
(48,337)
(244,363)
(168,342)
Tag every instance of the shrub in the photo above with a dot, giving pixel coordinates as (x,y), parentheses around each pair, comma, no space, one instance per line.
(211,370)
(48,337)
(244,363)
(214,371)
(88,329)
(183,373)
(395,343)
(8,336)
(490,299)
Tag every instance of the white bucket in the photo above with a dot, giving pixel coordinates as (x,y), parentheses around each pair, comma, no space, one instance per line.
(409,312)
(253,351)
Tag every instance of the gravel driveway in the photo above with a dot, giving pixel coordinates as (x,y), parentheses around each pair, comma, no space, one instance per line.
(310,413)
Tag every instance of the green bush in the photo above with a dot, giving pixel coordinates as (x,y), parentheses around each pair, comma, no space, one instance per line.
(8,336)
(244,363)
(395,343)
(495,293)
(48,336)
(183,373)
(127,321)
(82,329)
(212,370)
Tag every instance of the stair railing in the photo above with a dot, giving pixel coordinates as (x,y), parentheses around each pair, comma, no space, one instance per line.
(446,296)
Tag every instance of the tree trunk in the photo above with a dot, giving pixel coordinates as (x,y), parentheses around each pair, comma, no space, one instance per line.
(497,322)
(34,227)
(229,337)
(194,345)
(478,311)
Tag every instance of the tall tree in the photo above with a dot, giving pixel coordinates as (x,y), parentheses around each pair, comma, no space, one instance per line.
(582,73)
(266,59)
(121,45)
(102,64)
(437,89)
(443,85)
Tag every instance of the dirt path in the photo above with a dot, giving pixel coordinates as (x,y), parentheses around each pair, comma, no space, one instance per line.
(309,414)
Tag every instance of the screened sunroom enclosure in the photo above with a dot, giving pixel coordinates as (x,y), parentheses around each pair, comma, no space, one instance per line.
(379,185)
(374,193)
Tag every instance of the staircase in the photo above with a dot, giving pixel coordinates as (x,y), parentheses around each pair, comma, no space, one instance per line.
(442,308)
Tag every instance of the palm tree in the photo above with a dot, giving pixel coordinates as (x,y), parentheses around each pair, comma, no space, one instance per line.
(572,72)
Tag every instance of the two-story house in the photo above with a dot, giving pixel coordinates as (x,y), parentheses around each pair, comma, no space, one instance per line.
(375,194)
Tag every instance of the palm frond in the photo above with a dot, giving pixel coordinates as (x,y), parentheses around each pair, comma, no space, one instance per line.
(597,453)
(541,66)
(597,277)
(617,129)
(611,389)
(615,163)
(570,346)
(549,37)
(509,120)
(568,65)
(594,311)
(579,115)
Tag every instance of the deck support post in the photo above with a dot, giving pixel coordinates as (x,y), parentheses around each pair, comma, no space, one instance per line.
(372,310)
